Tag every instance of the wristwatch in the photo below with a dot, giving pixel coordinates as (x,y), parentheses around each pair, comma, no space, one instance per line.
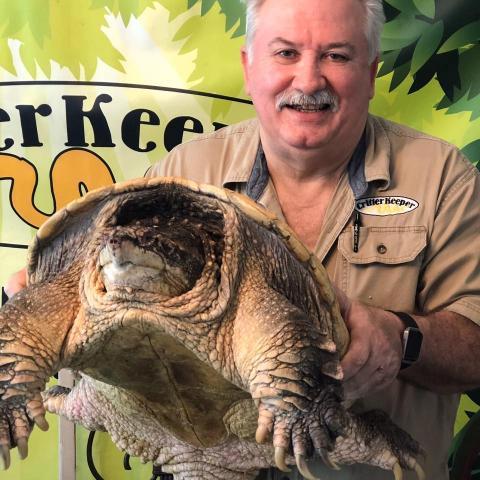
(412,339)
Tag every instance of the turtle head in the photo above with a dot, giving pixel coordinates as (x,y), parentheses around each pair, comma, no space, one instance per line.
(151,255)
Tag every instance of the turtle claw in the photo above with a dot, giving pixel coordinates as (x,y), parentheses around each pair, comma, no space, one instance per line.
(262,433)
(303,468)
(419,471)
(22,447)
(4,457)
(41,422)
(280,459)
(327,460)
(397,471)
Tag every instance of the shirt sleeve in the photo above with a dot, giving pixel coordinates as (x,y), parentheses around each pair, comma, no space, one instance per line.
(167,167)
(451,275)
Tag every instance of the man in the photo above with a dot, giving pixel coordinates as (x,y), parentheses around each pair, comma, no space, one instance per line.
(393,214)
(316,158)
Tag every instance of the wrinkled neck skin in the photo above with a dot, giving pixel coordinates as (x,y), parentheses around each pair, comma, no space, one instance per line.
(193,317)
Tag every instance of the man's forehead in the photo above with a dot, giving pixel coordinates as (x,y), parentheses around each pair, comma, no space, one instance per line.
(285,42)
(315,23)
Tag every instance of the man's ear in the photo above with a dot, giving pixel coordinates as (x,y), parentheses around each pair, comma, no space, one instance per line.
(373,75)
(245,65)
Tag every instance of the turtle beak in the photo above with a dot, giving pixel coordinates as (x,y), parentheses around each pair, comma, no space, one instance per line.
(122,252)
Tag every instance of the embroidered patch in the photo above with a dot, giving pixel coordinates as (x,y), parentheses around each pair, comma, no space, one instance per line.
(383,206)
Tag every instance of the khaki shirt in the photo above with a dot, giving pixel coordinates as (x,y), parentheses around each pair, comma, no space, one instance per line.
(418,248)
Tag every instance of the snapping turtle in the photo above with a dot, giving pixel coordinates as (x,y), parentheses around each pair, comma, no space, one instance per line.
(207,337)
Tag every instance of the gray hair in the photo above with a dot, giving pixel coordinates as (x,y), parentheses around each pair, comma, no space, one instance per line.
(373,29)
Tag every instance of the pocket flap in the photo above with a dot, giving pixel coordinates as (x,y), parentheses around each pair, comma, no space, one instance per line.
(388,245)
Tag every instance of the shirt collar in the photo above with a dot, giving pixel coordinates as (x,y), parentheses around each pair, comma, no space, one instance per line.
(369,163)
(377,155)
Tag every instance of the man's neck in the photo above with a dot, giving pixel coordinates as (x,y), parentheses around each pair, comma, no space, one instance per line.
(305,182)
(299,166)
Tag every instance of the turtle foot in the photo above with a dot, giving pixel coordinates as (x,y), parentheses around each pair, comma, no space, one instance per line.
(17,418)
(81,404)
(338,436)
(304,431)
(54,398)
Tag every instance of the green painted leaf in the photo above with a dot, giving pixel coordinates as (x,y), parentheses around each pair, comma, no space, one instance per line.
(399,75)
(388,63)
(206,6)
(127,9)
(448,74)
(465,94)
(32,17)
(6,60)
(423,76)
(216,69)
(390,12)
(426,7)
(57,31)
(74,25)
(234,11)
(472,152)
(174,7)
(406,6)
(401,32)
(427,45)
(463,104)
(466,35)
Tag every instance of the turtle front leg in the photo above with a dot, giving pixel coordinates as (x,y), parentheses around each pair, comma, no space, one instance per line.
(33,326)
(291,370)
(293,373)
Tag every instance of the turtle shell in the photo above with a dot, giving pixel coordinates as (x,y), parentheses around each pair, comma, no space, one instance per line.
(60,245)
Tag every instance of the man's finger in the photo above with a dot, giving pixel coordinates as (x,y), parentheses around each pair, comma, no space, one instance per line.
(16,282)
(343,301)
(355,359)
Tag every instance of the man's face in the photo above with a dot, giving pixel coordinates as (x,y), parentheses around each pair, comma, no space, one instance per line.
(304,47)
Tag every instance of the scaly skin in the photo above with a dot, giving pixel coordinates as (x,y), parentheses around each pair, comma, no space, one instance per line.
(30,354)
(368,438)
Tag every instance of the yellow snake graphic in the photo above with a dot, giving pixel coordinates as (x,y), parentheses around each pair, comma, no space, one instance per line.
(71,171)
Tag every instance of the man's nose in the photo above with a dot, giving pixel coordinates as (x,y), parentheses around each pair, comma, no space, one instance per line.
(309,77)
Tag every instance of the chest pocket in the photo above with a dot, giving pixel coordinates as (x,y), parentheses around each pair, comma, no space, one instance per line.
(386,245)
(385,272)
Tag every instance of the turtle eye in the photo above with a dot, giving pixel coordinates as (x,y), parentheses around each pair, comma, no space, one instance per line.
(147,237)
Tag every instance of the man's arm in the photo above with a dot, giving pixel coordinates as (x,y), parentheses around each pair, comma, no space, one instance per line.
(448,360)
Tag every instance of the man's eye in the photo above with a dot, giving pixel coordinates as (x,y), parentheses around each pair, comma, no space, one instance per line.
(287,53)
(337,57)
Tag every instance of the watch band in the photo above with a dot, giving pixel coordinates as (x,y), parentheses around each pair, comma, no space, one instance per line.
(411,339)
(405,318)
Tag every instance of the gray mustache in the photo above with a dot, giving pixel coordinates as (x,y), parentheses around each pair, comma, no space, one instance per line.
(300,99)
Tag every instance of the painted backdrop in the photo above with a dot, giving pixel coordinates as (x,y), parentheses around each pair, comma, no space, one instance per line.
(95,91)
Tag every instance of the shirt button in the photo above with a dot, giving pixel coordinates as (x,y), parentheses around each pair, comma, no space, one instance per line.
(381,249)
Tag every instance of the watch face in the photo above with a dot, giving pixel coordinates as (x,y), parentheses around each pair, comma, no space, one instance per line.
(412,343)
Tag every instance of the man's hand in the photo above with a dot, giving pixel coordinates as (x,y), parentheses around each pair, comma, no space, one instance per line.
(17,282)
(374,356)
